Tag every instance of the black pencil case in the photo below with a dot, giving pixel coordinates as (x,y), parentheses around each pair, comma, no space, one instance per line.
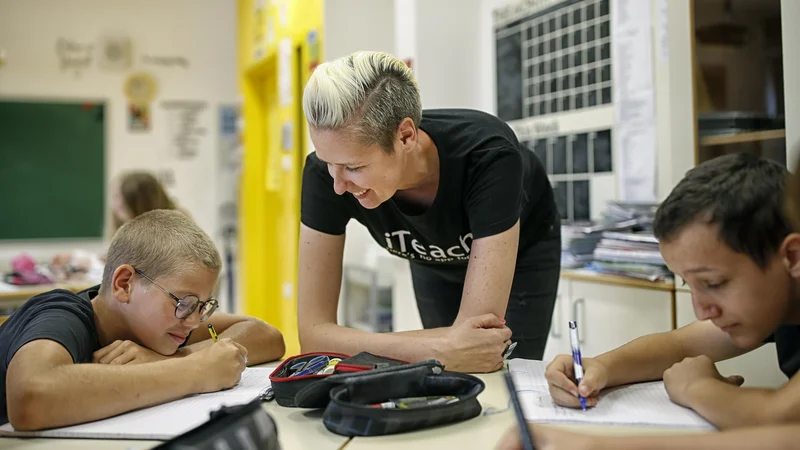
(240,426)
(286,387)
(354,407)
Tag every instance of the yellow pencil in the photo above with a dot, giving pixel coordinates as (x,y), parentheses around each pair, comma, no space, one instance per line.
(213,332)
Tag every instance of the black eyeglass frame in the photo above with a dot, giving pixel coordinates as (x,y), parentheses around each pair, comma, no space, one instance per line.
(182,301)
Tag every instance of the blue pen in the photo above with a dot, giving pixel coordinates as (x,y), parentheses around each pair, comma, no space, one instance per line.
(310,369)
(577,364)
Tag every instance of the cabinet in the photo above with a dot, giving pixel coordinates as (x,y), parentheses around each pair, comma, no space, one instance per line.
(558,340)
(610,311)
(759,367)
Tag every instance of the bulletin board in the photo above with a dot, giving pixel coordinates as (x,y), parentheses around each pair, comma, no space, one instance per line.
(52,170)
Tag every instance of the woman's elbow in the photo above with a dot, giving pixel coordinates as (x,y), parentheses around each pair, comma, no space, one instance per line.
(311,339)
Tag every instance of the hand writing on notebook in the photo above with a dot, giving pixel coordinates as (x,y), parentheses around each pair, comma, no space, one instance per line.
(476,345)
(221,364)
(684,378)
(561,381)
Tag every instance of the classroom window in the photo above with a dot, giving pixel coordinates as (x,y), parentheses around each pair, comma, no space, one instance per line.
(559,155)
(562,43)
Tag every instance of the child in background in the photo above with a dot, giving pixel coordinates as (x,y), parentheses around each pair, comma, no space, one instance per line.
(131,341)
(134,193)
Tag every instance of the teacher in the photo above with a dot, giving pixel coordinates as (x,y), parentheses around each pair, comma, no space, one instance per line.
(451,190)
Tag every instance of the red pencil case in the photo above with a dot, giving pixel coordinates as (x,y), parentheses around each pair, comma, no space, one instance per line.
(286,385)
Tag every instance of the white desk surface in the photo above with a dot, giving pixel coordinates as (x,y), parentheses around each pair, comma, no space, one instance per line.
(300,429)
(485,431)
(303,429)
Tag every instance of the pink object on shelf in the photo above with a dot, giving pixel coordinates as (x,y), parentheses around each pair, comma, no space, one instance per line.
(24,271)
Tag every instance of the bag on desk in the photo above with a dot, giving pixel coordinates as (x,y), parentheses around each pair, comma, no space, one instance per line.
(288,379)
(246,427)
(361,404)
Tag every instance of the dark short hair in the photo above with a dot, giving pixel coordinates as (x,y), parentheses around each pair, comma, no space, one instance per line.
(741,193)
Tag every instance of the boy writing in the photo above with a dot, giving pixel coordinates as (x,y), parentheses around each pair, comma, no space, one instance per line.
(128,343)
(724,230)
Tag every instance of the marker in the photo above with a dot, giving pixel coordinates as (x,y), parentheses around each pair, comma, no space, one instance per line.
(577,364)
(525,432)
(213,332)
(509,348)
(416,402)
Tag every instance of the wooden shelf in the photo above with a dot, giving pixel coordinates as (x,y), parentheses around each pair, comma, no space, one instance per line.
(738,138)
(594,277)
(15,294)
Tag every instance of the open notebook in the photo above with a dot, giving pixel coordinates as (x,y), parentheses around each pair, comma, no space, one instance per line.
(635,404)
(162,422)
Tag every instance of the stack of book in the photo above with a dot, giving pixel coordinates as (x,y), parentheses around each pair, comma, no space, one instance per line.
(621,211)
(632,254)
(578,240)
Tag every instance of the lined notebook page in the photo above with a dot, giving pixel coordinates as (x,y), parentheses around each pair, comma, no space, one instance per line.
(636,404)
(162,422)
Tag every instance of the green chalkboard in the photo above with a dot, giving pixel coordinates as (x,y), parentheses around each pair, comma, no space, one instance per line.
(52,170)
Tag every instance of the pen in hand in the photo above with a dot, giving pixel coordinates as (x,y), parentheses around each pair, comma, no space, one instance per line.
(213,333)
(214,336)
(577,364)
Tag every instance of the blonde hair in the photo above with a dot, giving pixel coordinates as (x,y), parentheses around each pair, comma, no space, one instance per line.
(366,94)
(161,243)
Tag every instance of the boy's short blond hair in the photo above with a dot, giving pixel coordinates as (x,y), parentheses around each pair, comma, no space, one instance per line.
(161,243)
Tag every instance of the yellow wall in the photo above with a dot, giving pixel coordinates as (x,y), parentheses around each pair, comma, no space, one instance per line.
(270,189)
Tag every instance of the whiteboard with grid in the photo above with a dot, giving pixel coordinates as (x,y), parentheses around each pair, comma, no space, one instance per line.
(564,56)
(554,66)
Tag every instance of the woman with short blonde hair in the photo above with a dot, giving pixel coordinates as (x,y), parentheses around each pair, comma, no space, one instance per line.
(452,190)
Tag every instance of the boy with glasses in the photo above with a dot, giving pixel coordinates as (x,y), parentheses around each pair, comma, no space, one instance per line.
(128,343)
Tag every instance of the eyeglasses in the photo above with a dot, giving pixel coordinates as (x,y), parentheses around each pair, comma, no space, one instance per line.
(188,303)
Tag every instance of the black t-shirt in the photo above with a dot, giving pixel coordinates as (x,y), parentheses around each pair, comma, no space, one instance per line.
(487,181)
(787,343)
(58,315)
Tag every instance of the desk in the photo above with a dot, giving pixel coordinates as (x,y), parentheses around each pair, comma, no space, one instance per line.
(485,431)
(303,429)
(12,296)
(300,429)
(11,293)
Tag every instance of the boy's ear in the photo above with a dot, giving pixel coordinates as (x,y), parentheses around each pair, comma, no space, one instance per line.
(122,283)
(790,252)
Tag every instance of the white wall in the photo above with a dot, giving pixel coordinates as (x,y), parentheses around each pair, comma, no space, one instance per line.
(353,25)
(790,14)
(446,63)
(203,32)
(375,31)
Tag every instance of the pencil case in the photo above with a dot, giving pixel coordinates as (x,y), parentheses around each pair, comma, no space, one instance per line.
(240,426)
(356,402)
(287,382)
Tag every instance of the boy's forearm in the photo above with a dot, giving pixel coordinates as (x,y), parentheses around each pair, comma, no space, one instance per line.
(772,437)
(407,346)
(729,406)
(643,359)
(79,393)
(263,342)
